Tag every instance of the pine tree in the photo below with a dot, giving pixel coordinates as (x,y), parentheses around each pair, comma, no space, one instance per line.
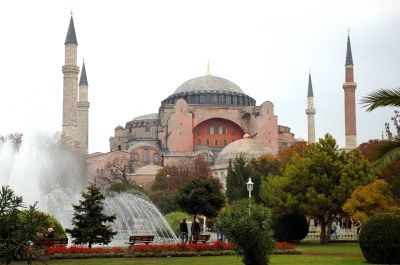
(90,223)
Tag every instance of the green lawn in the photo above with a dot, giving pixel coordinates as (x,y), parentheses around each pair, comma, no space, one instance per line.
(313,254)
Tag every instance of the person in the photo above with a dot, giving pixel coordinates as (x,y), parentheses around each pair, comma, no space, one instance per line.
(358,228)
(196,230)
(184,231)
(50,233)
(334,228)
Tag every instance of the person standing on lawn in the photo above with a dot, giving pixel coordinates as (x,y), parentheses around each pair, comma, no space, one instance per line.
(184,231)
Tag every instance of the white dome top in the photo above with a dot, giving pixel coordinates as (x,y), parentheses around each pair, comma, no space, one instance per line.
(208,83)
(247,147)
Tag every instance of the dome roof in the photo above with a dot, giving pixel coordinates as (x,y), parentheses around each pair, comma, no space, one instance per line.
(151,116)
(208,83)
(247,147)
(119,127)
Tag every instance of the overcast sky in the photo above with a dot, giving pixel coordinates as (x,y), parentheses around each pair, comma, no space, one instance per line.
(138,52)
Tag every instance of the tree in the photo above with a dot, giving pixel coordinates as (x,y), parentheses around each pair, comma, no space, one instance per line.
(116,171)
(90,223)
(173,177)
(18,228)
(238,175)
(202,196)
(390,150)
(250,230)
(369,200)
(317,183)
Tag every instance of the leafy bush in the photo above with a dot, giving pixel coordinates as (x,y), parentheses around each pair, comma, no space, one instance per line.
(379,239)
(249,229)
(290,227)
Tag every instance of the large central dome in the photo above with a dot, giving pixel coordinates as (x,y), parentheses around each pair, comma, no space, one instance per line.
(210,90)
(208,83)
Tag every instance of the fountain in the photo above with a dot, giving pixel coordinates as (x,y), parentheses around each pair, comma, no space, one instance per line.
(46,170)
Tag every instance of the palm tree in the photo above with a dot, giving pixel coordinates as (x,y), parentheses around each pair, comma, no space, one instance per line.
(389,150)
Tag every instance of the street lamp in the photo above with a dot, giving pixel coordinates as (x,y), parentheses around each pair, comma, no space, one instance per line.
(249,187)
(168,182)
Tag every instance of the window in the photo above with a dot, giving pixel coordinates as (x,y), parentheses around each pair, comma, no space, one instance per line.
(202,98)
(225,142)
(198,131)
(215,98)
(208,130)
(216,129)
(207,142)
(198,142)
(216,142)
(146,155)
(119,147)
(223,130)
(228,99)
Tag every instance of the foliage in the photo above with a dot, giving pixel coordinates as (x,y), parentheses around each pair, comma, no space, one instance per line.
(369,200)
(90,223)
(390,150)
(174,220)
(238,174)
(317,183)
(79,250)
(379,239)
(116,171)
(171,178)
(120,187)
(202,196)
(216,246)
(249,229)
(286,154)
(18,228)
(290,227)
(49,221)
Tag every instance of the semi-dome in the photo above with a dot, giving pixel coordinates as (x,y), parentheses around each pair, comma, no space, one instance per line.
(246,147)
(208,83)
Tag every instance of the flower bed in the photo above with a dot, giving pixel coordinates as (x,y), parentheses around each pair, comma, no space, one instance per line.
(157,250)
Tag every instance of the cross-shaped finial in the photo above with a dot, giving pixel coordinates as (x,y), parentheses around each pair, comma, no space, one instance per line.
(72,13)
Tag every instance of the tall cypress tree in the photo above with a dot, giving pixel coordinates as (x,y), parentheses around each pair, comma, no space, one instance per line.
(90,223)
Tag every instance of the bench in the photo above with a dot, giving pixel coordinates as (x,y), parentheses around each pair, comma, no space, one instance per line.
(200,239)
(53,241)
(140,239)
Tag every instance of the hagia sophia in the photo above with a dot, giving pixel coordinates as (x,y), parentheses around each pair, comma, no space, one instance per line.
(208,116)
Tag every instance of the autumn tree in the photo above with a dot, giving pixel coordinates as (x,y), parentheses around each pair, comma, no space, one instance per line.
(116,171)
(171,178)
(369,200)
(317,183)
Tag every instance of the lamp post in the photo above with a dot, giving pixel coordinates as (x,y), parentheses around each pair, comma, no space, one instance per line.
(168,182)
(250,185)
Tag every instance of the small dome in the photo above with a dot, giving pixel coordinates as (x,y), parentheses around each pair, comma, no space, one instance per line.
(247,147)
(208,83)
(119,127)
(150,170)
(151,116)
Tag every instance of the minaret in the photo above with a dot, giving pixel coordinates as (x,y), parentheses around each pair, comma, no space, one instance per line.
(70,86)
(310,111)
(349,88)
(83,110)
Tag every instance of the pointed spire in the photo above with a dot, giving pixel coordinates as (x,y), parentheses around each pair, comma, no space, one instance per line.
(71,36)
(208,69)
(83,79)
(310,90)
(349,56)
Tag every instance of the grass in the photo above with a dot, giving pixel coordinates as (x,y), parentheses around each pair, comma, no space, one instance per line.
(313,254)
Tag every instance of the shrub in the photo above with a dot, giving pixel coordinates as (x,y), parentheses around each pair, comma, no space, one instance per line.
(290,227)
(249,229)
(379,239)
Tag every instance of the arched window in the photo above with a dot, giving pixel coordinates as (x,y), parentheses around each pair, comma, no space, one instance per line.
(216,142)
(216,129)
(208,130)
(223,130)
(225,142)
(119,147)
(146,155)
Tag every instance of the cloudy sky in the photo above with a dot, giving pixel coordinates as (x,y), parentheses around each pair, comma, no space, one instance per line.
(138,52)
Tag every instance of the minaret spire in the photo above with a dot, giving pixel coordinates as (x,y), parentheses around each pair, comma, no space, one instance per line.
(310,111)
(83,111)
(70,86)
(71,35)
(349,87)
